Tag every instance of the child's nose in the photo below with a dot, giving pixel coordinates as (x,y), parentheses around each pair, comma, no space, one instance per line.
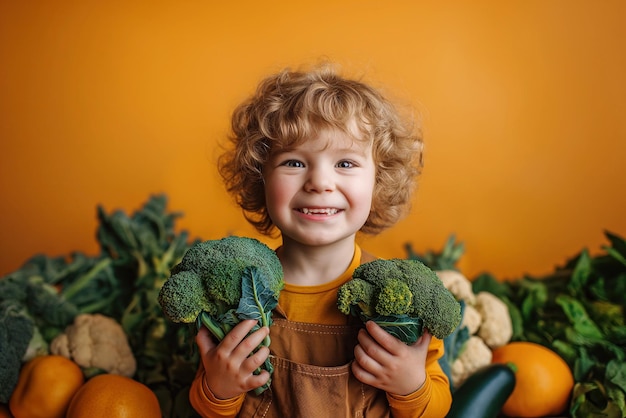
(319,181)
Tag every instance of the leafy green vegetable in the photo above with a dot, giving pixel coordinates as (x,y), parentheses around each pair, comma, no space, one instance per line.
(142,249)
(122,281)
(446,259)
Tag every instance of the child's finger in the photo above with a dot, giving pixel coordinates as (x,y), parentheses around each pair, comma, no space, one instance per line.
(204,341)
(424,340)
(237,334)
(251,342)
(370,348)
(362,374)
(256,360)
(366,358)
(382,337)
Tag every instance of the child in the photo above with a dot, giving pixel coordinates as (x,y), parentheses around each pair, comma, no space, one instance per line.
(319,158)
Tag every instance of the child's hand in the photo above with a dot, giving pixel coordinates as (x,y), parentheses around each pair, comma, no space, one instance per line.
(229,365)
(385,362)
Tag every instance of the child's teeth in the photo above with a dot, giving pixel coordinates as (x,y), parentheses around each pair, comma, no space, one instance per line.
(328,211)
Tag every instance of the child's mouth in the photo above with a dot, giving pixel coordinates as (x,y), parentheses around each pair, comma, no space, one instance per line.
(318,211)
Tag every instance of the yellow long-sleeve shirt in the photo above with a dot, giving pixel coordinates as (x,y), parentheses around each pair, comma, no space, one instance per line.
(318,304)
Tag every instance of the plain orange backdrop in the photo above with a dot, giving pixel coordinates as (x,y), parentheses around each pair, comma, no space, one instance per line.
(523,105)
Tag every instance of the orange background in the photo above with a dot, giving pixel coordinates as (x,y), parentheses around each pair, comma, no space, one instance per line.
(524,107)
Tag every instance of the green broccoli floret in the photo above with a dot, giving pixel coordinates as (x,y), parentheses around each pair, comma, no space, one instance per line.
(16,331)
(218,283)
(46,303)
(403,296)
(359,295)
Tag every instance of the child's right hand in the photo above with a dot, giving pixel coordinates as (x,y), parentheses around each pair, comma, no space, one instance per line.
(229,365)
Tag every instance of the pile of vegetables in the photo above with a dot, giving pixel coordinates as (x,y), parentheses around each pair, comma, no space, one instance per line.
(70,305)
(578,311)
(45,299)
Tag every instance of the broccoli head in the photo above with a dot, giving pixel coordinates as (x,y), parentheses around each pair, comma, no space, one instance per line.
(401,295)
(209,277)
(219,283)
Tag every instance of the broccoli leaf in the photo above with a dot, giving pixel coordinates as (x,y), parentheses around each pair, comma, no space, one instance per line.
(454,345)
(257,298)
(257,301)
(403,327)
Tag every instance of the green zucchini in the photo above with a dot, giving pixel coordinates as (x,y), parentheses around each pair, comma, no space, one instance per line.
(483,394)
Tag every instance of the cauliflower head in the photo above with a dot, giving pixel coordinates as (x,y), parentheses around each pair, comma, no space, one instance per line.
(96,342)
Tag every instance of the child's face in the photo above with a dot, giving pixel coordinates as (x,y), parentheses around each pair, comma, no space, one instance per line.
(320,192)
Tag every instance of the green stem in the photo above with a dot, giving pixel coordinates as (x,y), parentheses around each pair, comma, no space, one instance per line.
(206,320)
(99,305)
(71,290)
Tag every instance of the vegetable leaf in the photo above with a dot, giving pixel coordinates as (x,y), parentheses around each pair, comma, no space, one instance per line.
(578,317)
(446,259)
(618,246)
(454,344)
(257,301)
(257,298)
(581,273)
(616,373)
(402,327)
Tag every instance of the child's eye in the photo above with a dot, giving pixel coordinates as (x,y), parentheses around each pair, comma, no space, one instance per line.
(345,164)
(293,163)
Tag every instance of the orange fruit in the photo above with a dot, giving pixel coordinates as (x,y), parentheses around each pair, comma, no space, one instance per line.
(114,396)
(544,381)
(45,387)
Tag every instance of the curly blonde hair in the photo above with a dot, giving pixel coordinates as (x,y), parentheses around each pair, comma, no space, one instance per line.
(291,106)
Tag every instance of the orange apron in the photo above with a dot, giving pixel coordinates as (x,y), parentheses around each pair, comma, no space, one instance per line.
(316,381)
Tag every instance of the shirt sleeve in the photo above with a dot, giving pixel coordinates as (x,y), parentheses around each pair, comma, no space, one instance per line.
(434,398)
(207,405)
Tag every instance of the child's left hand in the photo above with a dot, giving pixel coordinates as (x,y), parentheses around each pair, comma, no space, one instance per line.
(383,361)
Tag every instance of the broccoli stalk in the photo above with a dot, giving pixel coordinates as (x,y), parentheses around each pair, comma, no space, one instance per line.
(403,297)
(219,283)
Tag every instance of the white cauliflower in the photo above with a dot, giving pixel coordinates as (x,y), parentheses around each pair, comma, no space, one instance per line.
(496,329)
(475,355)
(96,341)
(458,285)
(488,323)
(472,319)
